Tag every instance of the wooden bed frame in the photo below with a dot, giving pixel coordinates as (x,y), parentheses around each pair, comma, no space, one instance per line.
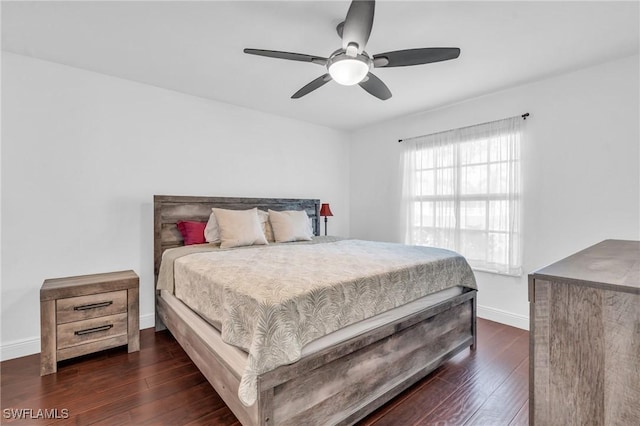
(337,385)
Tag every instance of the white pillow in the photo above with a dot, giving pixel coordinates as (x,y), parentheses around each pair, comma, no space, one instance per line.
(239,227)
(211,231)
(266,226)
(290,225)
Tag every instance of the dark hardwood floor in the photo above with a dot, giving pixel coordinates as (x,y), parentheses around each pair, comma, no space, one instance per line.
(159,385)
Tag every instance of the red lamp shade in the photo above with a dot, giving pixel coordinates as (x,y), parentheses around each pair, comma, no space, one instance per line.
(325,210)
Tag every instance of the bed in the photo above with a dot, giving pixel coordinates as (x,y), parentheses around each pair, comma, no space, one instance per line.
(336,379)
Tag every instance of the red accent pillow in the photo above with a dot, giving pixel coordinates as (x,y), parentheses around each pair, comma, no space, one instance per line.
(192,232)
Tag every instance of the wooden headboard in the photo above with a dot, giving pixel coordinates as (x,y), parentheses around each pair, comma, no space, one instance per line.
(169,209)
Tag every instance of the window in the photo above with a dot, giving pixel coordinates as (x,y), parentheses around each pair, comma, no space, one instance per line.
(461,191)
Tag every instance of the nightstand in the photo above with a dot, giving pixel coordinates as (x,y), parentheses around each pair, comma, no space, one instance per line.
(88,313)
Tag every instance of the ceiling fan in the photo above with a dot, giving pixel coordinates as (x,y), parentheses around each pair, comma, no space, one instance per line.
(351,65)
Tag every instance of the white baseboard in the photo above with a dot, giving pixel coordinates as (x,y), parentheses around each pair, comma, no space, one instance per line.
(19,348)
(24,347)
(147,321)
(503,317)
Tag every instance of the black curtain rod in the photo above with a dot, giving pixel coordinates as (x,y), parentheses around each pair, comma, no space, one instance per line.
(524,117)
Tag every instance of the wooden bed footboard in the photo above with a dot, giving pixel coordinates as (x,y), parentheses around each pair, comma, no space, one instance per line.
(344,383)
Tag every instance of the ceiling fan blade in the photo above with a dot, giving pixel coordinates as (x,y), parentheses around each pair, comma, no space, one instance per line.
(287,55)
(339,29)
(376,87)
(358,24)
(403,58)
(318,82)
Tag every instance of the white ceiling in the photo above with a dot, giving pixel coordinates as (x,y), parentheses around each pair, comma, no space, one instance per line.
(196,48)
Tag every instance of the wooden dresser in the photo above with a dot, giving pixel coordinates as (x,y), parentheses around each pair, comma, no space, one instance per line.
(585,338)
(89,313)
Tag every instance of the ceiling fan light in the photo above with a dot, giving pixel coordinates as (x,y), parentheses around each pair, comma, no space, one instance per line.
(348,71)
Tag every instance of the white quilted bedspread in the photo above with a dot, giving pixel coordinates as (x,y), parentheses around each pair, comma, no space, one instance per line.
(272,300)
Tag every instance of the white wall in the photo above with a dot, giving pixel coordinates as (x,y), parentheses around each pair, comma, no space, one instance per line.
(580,169)
(84,153)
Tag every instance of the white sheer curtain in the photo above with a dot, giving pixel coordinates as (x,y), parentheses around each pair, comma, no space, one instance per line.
(462,191)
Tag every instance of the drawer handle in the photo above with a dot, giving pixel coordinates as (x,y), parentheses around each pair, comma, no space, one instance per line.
(92,306)
(93,330)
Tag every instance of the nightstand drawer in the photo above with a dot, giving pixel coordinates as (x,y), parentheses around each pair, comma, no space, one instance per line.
(91,330)
(92,306)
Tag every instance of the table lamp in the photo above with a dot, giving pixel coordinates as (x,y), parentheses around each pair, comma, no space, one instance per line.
(325,211)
